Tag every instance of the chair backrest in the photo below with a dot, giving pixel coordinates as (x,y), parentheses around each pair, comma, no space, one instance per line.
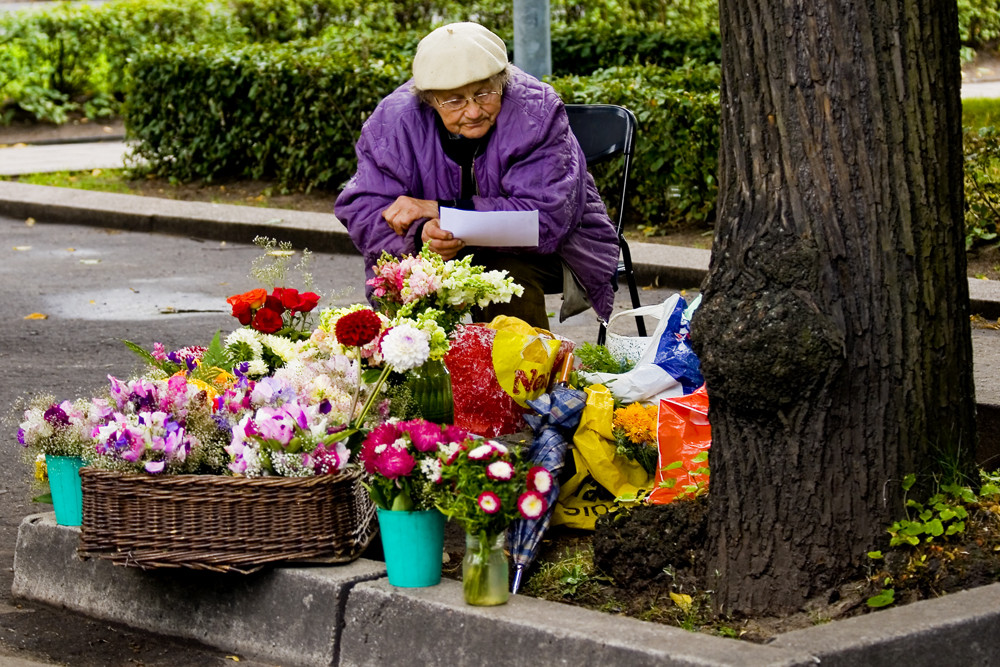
(604,132)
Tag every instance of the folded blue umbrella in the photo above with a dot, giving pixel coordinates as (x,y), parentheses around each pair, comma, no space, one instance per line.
(557,416)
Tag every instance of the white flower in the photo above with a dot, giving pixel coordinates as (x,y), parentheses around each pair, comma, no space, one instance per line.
(282,347)
(249,337)
(257,367)
(431,469)
(405,347)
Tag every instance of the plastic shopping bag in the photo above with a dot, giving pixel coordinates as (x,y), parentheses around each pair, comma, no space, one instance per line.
(683,437)
(497,368)
(602,475)
(666,365)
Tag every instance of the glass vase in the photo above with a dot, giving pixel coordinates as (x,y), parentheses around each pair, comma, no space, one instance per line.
(430,386)
(484,570)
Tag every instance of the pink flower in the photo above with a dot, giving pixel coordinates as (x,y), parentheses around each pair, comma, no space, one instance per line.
(154,467)
(394,462)
(539,479)
(531,504)
(382,435)
(454,433)
(489,502)
(425,435)
(500,470)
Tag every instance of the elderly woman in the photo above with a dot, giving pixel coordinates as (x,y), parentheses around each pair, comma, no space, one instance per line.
(471,131)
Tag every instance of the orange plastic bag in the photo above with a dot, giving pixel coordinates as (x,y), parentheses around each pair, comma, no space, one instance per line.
(683,437)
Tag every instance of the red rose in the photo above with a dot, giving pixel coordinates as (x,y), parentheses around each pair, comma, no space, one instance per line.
(243,312)
(274,303)
(307,301)
(267,321)
(357,328)
(288,296)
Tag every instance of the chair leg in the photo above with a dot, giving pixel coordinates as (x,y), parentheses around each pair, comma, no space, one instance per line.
(633,289)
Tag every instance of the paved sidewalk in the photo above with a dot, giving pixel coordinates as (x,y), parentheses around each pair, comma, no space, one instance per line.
(84,156)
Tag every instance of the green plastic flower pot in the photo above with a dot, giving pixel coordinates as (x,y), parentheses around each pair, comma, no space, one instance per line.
(64,483)
(413,544)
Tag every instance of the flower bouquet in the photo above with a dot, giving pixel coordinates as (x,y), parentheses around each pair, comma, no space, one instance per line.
(634,430)
(444,290)
(485,486)
(56,435)
(402,467)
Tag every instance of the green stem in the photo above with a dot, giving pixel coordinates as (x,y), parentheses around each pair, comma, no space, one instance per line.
(371,398)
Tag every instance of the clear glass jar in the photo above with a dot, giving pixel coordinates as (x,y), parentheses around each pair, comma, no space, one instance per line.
(485,570)
(430,386)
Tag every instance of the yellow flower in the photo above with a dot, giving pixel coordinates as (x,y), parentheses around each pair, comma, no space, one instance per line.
(41,472)
(639,422)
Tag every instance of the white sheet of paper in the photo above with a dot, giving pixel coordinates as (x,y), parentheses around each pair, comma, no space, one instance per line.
(491,228)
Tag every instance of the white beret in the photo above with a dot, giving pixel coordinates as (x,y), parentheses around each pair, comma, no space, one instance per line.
(456,55)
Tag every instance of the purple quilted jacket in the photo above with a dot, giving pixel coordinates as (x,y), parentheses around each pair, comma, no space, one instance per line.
(531,162)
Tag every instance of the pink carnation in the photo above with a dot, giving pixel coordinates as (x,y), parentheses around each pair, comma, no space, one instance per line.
(500,470)
(489,502)
(394,462)
(531,504)
(385,435)
(425,435)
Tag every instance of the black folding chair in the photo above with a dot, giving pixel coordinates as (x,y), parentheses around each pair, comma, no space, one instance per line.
(606,131)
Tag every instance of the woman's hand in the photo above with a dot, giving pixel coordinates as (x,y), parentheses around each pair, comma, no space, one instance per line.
(439,240)
(406,210)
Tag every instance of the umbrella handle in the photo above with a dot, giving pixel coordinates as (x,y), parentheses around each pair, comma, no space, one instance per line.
(518,569)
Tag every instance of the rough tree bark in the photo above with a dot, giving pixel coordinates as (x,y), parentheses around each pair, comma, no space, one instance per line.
(834,332)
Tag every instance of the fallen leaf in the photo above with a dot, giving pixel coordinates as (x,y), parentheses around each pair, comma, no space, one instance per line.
(30,222)
(234,658)
(95,172)
(681,600)
(169,310)
(70,249)
(90,261)
(36,316)
(22,247)
(92,301)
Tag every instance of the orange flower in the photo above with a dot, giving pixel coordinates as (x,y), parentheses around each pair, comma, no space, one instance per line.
(254,298)
(638,421)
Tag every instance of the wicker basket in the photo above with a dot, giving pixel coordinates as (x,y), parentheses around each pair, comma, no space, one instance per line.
(223,524)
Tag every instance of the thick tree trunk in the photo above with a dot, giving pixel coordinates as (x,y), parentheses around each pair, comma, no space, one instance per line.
(834,331)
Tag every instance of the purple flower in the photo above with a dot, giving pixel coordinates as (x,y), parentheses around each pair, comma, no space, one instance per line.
(56,416)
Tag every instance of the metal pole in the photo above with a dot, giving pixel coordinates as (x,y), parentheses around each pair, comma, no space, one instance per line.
(532,39)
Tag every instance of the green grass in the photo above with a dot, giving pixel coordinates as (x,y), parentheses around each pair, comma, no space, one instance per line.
(980,112)
(100,180)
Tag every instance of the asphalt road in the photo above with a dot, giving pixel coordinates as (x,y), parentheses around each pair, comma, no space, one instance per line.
(97,287)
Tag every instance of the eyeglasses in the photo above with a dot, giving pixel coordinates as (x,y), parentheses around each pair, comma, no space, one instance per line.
(459,103)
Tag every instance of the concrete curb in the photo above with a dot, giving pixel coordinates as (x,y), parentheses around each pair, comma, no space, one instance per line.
(675,267)
(351,615)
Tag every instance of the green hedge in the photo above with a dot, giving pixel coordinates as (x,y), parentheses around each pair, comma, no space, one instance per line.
(677,143)
(73,58)
(289,113)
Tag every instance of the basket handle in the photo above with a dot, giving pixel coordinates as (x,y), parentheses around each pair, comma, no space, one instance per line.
(655,310)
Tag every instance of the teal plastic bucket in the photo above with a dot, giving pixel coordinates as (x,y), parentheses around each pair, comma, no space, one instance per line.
(413,543)
(64,483)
